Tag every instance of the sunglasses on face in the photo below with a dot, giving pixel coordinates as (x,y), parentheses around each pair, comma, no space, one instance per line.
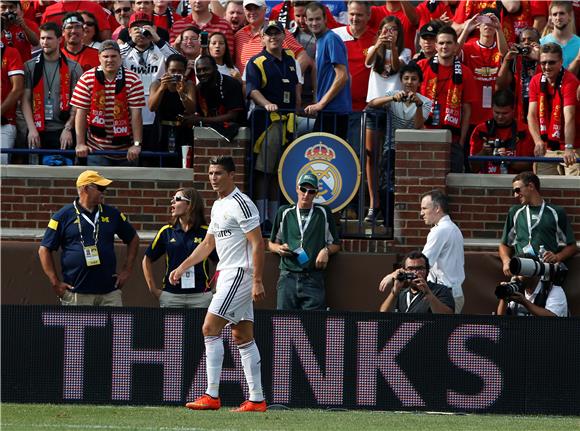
(307,191)
(517,190)
(102,189)
(122,9)
(549,62)
(179,199)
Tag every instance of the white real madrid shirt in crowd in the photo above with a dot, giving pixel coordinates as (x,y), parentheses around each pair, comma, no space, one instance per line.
(149,65)
(232,217)
(444,249)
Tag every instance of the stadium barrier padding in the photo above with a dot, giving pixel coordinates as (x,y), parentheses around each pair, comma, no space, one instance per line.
(147,356)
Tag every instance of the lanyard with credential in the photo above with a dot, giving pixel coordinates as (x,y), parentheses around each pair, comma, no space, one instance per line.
(303,228)
(94,224)
(529,218)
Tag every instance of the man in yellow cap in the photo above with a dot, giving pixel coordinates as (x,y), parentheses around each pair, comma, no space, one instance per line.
(85,230)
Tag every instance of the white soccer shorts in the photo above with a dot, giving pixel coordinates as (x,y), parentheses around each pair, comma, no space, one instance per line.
(233,298)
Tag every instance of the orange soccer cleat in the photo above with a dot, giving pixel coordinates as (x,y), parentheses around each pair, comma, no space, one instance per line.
(252,406)
(205,402)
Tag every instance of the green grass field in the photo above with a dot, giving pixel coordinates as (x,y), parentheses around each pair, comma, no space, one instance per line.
(35,417)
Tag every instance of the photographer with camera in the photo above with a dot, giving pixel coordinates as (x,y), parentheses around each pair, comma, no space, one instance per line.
(535,223)
(518,67)
(501,136)
(409,291)
(145,55)
(17,31)
(535,290)
(171,97)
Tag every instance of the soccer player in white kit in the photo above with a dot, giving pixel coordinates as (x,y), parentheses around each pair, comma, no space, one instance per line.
(235,233)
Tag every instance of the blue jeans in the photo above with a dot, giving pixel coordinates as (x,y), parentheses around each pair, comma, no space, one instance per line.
(301,291)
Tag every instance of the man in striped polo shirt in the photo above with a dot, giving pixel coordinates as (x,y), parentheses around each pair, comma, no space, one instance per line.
(109,99)
(235,234)
(206,21)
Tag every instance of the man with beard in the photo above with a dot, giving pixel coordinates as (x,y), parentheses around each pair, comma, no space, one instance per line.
(46,102)
(219,99)
(563,18)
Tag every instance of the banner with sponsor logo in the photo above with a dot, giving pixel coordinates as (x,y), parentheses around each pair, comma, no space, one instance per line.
(311,359)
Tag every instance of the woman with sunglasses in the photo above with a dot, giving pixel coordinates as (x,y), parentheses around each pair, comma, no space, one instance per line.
(177,240)
(90,30)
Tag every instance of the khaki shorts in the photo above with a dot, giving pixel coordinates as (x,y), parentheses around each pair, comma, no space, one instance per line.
(557,168)
(185,300)
(111,299)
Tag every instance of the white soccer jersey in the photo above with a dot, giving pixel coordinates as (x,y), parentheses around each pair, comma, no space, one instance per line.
(231,218)
(149,65)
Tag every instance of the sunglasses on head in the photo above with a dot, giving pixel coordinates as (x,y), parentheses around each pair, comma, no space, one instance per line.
(180,199)
(122,9)
(89,24)
(308,191)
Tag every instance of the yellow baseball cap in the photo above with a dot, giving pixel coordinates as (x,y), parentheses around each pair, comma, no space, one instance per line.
(92,177)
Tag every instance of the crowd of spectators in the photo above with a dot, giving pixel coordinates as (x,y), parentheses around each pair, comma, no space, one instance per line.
(502,76)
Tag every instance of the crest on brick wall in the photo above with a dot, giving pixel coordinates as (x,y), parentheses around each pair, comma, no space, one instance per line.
(328,157)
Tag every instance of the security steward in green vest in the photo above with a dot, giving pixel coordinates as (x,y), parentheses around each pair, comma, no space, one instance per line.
(304,235)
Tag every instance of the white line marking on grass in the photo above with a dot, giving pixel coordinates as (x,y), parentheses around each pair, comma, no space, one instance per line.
(112,427)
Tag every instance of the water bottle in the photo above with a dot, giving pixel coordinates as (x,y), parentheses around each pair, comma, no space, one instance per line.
(436,115)
(503,169)
(171,140)
(542,252)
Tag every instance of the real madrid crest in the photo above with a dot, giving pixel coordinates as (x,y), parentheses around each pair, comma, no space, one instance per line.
(328,157)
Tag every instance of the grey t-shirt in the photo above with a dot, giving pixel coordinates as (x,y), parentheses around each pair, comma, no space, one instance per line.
(52,86)
(407,302)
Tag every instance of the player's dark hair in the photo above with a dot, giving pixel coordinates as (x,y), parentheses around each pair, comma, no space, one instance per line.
(225,162)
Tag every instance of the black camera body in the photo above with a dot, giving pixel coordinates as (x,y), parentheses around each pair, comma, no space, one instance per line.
(144,32)
(523,49)
(9,16)
(406,276)
(505,290)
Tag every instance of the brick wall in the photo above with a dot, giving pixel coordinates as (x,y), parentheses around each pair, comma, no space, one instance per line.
(479,202)
(31,194)
(480,212)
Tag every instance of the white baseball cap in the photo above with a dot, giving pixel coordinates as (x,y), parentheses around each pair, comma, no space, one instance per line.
(259,3)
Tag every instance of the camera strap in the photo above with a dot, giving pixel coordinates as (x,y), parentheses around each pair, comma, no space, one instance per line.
(529,220)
